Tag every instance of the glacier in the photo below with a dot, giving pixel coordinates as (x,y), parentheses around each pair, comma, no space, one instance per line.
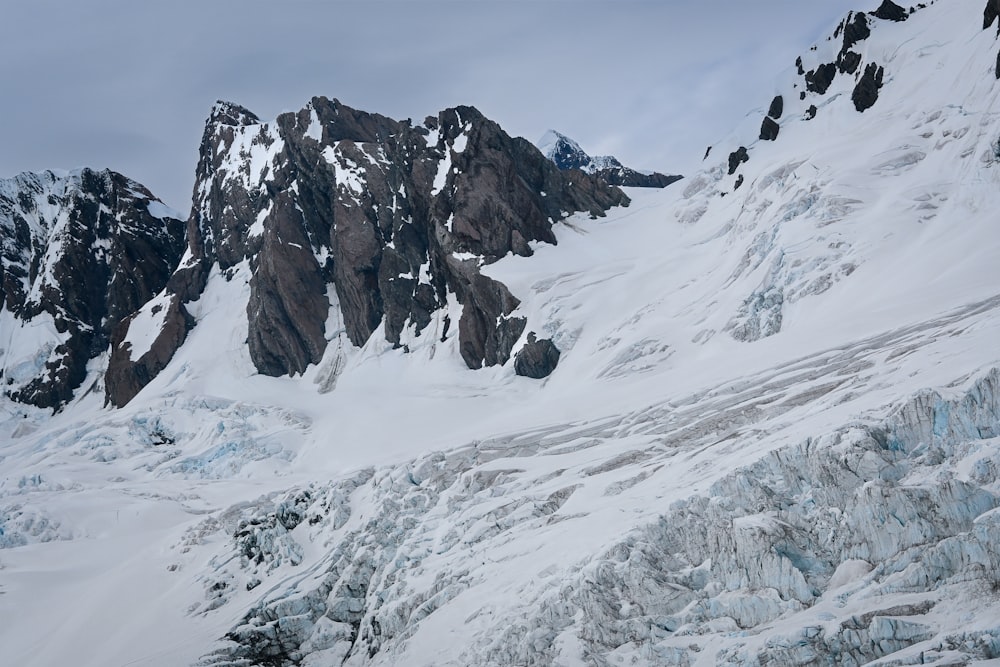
(773,436)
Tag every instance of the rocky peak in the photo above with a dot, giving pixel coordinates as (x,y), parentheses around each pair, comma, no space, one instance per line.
(567,154)
(230,113)
(81,252)
(393,220)
(890,11)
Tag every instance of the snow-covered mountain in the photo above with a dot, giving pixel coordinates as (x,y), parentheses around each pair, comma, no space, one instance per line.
(81,252)
(567,154)
(337,223)
(772,437)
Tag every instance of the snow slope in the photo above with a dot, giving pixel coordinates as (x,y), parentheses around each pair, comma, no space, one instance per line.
(773,436)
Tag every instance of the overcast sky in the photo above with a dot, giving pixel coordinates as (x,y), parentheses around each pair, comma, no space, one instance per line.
(127,84)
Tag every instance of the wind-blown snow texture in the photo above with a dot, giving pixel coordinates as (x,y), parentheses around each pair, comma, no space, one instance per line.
(773,436)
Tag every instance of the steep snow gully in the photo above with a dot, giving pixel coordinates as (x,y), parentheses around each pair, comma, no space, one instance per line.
(768,430)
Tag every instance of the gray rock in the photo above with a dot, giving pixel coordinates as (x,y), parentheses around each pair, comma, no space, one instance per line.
(990,13)
(777,107)
(90,250)
(819,79)
(378,209)
(890,11)
(736,158)
(848,61)
(537,359)
(855,28)
(769,129)
(288,303)
(866,91)
(126,376)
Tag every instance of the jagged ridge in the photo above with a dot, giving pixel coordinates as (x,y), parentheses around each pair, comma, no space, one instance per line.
(567,154)
(396,218)
(81,252)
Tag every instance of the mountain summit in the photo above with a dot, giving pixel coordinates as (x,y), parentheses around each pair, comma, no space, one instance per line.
(82,251)
(341,222)
(567,154)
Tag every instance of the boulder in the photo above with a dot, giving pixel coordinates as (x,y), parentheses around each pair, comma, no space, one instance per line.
(537,359)
(736,158)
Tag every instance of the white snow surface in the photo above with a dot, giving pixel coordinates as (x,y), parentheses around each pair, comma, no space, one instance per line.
(146,325)
(768,431)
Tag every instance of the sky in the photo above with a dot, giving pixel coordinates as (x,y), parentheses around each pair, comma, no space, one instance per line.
(128,85)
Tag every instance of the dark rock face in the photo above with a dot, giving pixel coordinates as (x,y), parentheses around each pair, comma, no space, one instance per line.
(485,332)
(80,254)
(777,107)
(629,178)
(125,376)
(990,14)
(998,65)
(288,303)
(848,62)
(738,183)
(390,217)
(537,359)
(819,79)
(736,158)
(769,129)
(856,29)
(890,11)
(811,112)
(567,154)
(866,92)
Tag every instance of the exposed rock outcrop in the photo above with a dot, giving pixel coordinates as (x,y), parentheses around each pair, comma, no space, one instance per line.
(866,91)
(392,217)
(848,61)
(82,252)
(736,158)
(819,79)
(777,107)
(856,29)
(769,129)
(537,359)
(168,323)
(890,11)
(990,14)
(567,154)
